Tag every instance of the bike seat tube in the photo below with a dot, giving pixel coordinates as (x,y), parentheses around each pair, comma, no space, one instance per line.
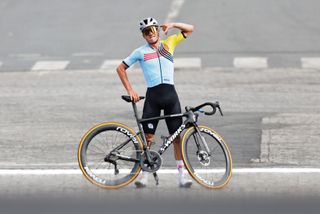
(136,114)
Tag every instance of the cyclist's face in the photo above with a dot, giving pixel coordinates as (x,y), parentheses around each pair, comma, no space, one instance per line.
(151,34)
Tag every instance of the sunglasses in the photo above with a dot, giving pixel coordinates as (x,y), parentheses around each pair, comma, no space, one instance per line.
(152,29)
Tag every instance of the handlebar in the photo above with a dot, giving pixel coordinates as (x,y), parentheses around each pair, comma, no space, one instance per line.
(214,107)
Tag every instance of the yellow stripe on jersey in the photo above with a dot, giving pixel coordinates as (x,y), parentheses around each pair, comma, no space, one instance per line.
(172,41)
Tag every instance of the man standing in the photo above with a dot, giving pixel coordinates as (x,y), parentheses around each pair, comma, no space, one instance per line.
(156,61)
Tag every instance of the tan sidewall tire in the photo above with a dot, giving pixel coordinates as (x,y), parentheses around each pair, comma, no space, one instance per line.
(131,131)
(218,138)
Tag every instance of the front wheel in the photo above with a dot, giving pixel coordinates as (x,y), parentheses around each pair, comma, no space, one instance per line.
(207,157)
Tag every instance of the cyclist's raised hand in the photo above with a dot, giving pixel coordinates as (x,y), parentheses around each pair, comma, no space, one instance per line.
(133,95)
(166,26)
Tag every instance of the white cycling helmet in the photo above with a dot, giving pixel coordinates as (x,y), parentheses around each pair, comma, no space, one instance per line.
(147,22)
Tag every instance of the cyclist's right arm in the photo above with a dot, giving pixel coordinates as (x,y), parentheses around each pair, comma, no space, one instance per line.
(121,70)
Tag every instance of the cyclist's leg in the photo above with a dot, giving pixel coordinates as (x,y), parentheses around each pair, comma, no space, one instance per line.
(150,109)
(173,107)
(177,148)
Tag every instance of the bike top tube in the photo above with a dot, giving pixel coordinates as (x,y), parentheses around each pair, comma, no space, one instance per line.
(142,120)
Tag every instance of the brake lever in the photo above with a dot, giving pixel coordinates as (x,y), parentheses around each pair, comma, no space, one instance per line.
(220,110)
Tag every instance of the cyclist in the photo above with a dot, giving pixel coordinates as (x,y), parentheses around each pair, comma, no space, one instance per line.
(156,61)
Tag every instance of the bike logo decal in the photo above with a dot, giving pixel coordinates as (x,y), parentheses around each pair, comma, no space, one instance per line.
(125,131)
(203,180)
(169,141)
(94,177)
(211,133)
(150,125)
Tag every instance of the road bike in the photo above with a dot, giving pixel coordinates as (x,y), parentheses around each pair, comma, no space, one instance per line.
(111,155)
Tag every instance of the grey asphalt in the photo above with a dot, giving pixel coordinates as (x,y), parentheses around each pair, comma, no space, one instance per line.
(45,114)
(88,32)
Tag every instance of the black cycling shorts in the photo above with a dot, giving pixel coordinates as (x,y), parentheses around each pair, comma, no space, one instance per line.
(161,97)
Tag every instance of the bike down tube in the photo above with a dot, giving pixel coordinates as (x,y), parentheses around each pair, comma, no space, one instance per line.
(191,119)
(171,138)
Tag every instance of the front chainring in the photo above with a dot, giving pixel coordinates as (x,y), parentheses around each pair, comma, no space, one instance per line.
(157,162)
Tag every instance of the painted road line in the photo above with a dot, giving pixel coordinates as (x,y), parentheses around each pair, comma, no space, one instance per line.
(174,11)
(250,62)
(1,64)
(190,63)
(110,64)
(161,171)
(50,65)
(311,62)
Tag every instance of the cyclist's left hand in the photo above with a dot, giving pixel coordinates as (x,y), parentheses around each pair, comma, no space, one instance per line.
(166,26)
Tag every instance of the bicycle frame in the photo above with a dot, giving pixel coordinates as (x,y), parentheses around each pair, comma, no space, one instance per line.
(191,120)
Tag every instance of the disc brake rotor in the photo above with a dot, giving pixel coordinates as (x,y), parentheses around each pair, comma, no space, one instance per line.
(204,158)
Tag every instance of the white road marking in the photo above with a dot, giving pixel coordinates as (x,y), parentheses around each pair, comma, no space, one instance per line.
(110,64)
(192,63)
(174,10)
(250,62)
(161,171)
(50,65)
(1,63)
(311,62)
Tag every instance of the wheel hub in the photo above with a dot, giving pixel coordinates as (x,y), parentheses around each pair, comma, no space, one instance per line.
(204,158)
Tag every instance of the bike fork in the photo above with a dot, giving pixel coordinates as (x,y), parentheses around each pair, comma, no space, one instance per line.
(203,140)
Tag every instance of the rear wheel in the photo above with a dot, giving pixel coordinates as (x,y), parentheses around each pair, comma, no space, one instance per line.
(109,155)
(207,157)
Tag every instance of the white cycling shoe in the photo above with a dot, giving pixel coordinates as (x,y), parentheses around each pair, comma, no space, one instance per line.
(184,182)
(143,180)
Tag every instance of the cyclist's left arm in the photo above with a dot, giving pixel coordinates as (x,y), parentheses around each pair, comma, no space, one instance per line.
(172,41)
(186,29)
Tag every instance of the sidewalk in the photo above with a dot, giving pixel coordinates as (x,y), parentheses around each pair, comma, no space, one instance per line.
(291,139)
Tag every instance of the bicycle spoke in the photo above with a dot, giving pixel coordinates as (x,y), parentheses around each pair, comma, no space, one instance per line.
(102,142)
(95,152)
(99,148)
(210,170)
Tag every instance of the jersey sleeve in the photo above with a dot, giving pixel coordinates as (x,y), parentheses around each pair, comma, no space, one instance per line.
(173,40)
(132,58)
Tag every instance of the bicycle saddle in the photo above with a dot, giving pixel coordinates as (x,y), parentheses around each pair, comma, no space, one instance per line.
(128,99)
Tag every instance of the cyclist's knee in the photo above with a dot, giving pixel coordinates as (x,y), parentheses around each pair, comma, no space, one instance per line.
(150,137)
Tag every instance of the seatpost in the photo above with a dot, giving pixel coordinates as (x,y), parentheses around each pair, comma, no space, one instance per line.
(135,110)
